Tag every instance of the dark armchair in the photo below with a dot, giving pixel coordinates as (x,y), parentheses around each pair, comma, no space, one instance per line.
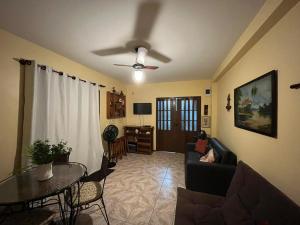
(212,178)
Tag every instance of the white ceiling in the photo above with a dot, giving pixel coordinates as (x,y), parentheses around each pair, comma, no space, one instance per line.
(195,34)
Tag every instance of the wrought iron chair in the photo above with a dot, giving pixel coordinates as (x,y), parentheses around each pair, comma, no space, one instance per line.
(92,189)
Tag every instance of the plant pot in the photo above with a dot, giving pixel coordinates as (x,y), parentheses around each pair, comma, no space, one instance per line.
(61,158)
(44,172)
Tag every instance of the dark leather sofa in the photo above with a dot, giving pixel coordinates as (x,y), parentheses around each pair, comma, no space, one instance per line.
(250,200)
(213,178)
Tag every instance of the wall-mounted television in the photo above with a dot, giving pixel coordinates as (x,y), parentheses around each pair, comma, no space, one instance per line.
(142,108)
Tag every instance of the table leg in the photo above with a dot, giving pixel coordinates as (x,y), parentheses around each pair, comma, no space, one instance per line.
(68,206)
(62,209)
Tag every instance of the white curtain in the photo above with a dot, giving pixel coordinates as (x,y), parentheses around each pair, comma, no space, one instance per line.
(66,109)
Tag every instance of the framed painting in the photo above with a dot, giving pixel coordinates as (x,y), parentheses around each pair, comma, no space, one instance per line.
(255,105)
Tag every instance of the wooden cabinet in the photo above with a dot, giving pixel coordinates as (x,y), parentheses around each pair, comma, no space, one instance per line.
(116,105)
(141,136)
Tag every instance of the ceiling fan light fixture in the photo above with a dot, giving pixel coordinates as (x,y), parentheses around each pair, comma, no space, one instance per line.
(141,54)
(138,76)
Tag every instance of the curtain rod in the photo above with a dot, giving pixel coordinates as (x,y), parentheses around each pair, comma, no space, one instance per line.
(43,67)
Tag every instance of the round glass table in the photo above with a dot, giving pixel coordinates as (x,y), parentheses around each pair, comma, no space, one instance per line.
(26,190)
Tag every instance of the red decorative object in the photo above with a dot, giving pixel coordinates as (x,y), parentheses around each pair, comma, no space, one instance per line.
(201,146)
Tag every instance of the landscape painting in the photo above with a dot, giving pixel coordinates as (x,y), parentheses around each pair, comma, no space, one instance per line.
(255,105)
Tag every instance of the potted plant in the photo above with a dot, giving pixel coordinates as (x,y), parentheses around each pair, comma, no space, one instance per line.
(61,152)
(41,155)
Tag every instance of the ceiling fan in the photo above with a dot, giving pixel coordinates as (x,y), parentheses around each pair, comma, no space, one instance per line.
(146,17)
(140,60)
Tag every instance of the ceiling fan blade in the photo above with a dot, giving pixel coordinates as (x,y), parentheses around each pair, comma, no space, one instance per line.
(159,56)
(146,17)
(122,65)
(151,67)
(111,51)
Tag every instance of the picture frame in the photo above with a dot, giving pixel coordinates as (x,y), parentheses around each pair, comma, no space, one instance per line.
(205,122)
(255,105)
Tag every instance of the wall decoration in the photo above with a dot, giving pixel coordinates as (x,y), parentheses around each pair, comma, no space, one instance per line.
(205,110)
(295,86)
(207,92)
(228,106)
(205,123)
(255,105)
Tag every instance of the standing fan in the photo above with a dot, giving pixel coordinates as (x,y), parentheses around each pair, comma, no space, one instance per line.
(110,134)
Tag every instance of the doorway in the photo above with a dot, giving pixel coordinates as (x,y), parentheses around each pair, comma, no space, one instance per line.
(177,122)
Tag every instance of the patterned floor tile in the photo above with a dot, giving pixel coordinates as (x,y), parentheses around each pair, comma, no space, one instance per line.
(165,205)
(140,216)
(167,192)
(147,200)
(141,191)
(120,210)
(159,218)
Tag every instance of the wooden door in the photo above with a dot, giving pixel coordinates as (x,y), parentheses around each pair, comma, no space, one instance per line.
(177,122)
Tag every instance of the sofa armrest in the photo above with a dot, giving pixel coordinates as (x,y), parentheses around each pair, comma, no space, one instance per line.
(212,178)
(190,147)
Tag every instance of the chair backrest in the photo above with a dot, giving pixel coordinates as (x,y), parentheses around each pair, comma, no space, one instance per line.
(100,174)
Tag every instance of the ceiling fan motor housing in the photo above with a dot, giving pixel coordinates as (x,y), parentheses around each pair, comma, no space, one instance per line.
(138,66)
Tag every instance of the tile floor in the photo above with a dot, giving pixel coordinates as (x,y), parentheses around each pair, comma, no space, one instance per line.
(141,190)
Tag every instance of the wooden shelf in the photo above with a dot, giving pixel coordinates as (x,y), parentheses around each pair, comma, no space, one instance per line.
(116,105)
(143,136)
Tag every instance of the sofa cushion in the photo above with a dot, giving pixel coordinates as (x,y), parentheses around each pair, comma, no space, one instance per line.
(197,208)
(184,196)
(199,214)
(261,199)
(234,212)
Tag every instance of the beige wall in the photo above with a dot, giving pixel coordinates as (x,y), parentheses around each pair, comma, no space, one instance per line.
(149,93)
(275,158)
(214,109)
(11,47)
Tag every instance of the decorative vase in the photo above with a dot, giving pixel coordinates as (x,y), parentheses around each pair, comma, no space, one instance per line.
(44,171)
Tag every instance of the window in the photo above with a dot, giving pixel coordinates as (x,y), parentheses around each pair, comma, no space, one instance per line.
(189,114)
(164,114)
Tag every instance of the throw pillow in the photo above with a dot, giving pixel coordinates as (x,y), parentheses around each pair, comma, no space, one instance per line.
(209,157)
(201,146)
(234,212)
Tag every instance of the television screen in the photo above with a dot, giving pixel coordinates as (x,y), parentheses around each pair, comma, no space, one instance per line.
(142,108)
